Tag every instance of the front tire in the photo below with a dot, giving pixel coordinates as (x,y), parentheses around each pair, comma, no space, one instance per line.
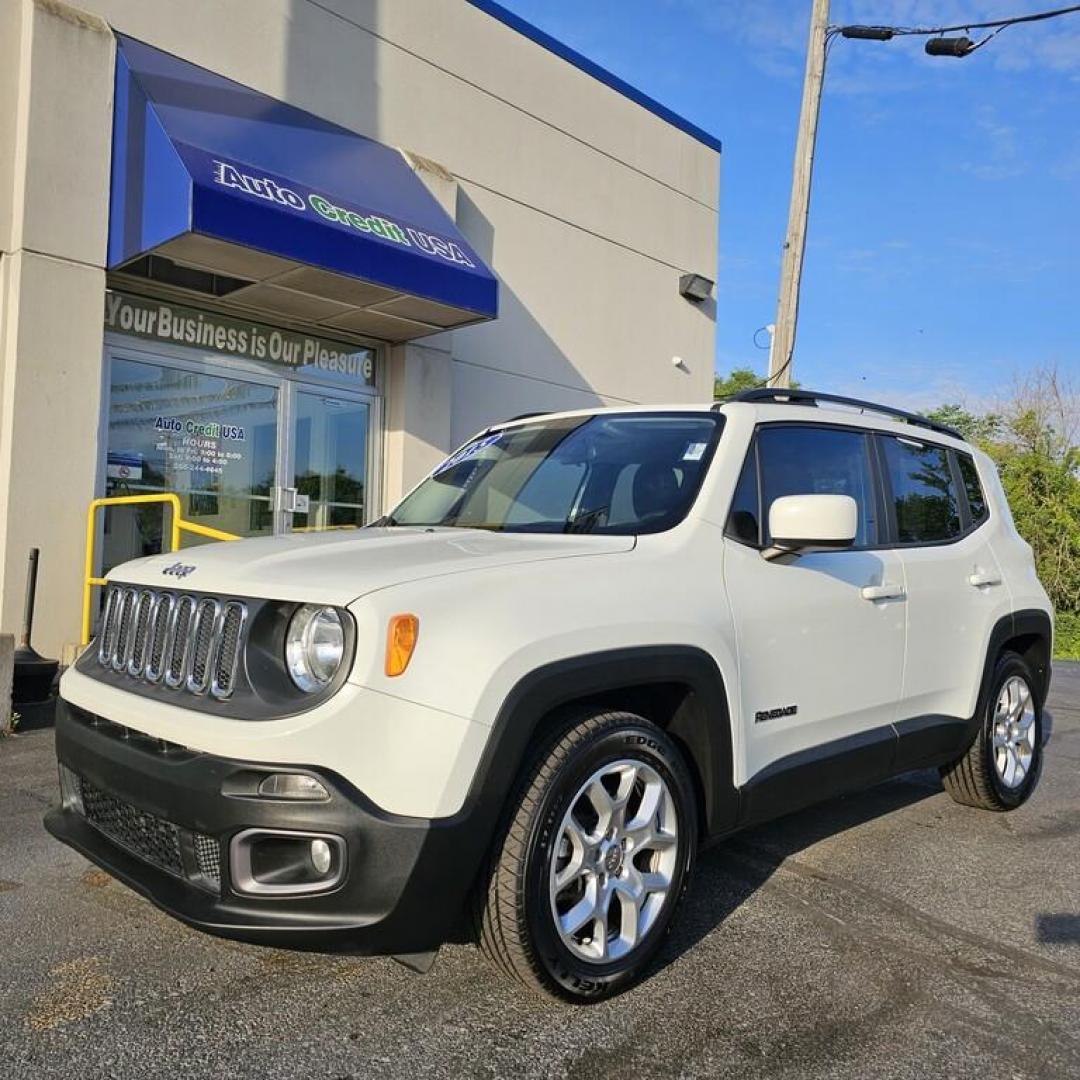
(1002,766)
(586,875)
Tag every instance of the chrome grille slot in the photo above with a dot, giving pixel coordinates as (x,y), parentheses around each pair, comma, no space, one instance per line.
(159,636)
(190,643)
(126,606)
(203,635)
(109,622)
(144,608)
(228,653)
(179,647)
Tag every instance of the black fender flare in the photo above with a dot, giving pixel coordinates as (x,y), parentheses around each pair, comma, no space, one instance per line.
(706,737)
(1026,623)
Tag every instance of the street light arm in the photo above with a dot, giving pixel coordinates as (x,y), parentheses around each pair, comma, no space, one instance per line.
(878,33)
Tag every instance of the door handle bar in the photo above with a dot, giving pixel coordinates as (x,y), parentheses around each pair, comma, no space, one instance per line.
(883,592)
(978,580)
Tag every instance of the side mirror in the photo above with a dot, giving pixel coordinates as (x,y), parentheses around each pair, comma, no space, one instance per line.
(811,521)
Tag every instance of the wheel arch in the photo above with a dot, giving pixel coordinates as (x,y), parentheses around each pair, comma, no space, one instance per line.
(680,688)
(1030,634)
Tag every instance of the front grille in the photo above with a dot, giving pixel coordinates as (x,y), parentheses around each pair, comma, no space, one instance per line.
(186,642)
(150,838)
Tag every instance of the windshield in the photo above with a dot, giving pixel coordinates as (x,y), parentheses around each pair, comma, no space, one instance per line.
(621,473)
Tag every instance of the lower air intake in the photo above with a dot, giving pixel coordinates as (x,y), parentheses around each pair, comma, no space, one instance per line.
(150,838)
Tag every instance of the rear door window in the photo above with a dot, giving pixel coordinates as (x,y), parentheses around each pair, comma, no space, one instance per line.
(924,496)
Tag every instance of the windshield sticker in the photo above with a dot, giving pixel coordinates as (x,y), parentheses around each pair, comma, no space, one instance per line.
(466,452)
(694,452)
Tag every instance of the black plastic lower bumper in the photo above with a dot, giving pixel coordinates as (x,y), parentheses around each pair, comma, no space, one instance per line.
(403,892)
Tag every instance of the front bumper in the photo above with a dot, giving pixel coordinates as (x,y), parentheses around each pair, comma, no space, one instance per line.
(406,881)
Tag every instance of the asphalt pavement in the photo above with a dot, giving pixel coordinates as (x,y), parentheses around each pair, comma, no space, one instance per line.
(888,934)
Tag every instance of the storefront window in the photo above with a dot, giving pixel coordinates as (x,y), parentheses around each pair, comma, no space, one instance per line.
(209,439)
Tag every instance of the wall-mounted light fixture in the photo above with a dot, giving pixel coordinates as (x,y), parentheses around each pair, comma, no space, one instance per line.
(695,287)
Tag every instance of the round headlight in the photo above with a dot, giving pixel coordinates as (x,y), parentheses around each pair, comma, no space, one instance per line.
(314,646)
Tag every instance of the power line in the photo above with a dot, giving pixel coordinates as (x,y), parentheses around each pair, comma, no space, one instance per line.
(930,31)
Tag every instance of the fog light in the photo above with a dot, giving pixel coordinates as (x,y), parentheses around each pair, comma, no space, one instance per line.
(297,786)
(277,862)
(321,856)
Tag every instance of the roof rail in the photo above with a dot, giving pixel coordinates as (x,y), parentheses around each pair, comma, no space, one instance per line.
(524,416)
(784,396)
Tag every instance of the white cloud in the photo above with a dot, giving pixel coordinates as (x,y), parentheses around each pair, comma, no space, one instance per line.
(1001,155)
(924,390)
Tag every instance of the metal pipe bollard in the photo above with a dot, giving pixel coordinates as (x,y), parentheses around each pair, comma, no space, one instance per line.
(34,674)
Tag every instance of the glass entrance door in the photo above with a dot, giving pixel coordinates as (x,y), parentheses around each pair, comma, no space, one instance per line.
(247,452)
(209,438)
(330,436)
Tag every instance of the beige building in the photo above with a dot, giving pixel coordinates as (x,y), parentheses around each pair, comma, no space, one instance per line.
(280,258)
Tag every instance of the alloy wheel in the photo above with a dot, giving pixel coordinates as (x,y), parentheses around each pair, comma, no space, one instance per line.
(1013,732)
(614,861)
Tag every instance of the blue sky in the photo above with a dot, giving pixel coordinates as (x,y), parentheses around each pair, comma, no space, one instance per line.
(944,250)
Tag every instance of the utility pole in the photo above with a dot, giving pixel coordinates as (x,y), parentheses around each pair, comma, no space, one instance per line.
(787,308)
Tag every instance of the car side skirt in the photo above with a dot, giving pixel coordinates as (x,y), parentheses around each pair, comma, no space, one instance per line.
(851,764)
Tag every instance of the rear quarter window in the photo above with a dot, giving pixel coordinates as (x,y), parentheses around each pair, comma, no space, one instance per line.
(976,497)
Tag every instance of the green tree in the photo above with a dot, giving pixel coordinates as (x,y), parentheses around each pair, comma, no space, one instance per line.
(740,379)
(974,428)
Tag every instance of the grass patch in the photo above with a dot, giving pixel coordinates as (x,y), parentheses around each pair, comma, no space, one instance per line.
(1067,635)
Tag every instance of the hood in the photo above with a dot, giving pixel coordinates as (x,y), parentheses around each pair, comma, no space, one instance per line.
(339,567)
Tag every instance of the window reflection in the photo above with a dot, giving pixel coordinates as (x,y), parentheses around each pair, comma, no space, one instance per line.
(331,436)
(924,495)
(818,461)
(211,440)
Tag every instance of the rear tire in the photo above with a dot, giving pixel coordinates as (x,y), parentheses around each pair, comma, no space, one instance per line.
(586,874)
(1000,769)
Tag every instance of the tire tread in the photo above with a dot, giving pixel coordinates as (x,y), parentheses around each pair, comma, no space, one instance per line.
(498,907)
(967,779)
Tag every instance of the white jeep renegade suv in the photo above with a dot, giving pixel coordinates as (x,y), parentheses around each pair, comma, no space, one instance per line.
(585,646)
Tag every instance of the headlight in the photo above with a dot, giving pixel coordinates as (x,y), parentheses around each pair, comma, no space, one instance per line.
(314,646)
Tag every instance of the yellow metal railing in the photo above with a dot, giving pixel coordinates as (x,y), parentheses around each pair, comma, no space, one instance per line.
(177,525)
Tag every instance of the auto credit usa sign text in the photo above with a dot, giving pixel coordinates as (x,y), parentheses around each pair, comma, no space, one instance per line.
(258,184)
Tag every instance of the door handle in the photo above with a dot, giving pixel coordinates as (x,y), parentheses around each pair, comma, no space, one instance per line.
(291,501)
(883,592)
(979,579)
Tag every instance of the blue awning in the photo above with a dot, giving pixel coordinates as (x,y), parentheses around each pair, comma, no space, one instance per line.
(215,176)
